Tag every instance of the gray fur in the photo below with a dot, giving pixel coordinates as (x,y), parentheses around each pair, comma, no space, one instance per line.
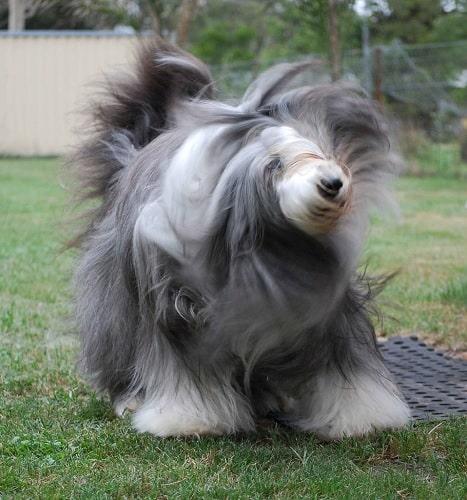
(261,308)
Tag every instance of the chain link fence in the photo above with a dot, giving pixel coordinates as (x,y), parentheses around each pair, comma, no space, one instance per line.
(424,86)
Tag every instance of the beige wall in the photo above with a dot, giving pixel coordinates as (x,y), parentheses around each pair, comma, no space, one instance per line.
(44,80)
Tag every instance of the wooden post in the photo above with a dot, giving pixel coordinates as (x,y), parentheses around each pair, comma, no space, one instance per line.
(334,32)
(378,77)
(186,13)
(463,140)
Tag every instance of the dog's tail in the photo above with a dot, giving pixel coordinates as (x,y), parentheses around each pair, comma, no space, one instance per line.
(132,110)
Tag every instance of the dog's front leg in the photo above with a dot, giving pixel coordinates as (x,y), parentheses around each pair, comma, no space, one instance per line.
(336,407)
(351,392)
(193,405)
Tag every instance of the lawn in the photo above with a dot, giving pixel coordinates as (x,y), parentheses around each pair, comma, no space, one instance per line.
(59,440)
(427,245)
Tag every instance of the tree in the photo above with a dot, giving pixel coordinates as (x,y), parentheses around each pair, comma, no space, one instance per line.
(226,31)
(229,31)
(20,10)
(334,39)
(168,18)
(186,13)
(410,21)
(450,26)
(330,15)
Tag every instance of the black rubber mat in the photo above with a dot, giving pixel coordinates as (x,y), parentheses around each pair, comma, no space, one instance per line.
(434,385)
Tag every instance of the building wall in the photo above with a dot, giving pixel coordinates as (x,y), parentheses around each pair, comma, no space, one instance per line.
(45,78)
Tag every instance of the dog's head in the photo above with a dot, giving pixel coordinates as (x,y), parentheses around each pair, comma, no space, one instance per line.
(269,175)
(311,159)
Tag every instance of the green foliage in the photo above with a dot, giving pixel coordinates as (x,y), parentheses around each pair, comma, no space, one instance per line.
(410,21)
(223,32)
(289,35)
(418,21)
(275,30)
(449,28)
(79,15)
(224,42)
(428,160)
(315,14)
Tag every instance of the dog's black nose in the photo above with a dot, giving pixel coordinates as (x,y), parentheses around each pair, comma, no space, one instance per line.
(329,187)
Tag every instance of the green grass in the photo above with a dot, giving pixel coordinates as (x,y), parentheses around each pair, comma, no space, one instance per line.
(428,246)
(426,159)
(58,440)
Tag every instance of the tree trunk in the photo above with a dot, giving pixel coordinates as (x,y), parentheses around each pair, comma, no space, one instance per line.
(463,140)
(16,15)
(153,14)
(378,76)
(186,14)
(334,35)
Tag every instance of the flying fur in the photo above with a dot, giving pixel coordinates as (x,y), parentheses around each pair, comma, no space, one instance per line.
(217,278)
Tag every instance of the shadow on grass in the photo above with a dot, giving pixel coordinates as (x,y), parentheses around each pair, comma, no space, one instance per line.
(97,409)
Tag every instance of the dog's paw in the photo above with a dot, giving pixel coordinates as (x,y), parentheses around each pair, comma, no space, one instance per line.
(367,421)
(341,410)
(175,422)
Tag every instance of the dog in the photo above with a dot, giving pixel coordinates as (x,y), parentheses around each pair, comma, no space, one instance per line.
(217,281)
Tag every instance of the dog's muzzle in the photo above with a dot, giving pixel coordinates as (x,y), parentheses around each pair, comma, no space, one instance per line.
(314,193)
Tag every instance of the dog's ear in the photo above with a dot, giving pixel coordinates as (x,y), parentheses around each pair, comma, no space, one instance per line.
(270,83)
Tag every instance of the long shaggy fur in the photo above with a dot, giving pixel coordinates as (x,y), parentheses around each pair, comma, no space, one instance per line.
(217,279)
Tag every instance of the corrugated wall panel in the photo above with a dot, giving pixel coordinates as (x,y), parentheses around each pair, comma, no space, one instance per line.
(44,80)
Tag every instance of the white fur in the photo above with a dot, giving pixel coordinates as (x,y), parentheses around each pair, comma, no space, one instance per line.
(171,61)
(336,408)
(179,219)
(182,410)
(305,165)
(299,195)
